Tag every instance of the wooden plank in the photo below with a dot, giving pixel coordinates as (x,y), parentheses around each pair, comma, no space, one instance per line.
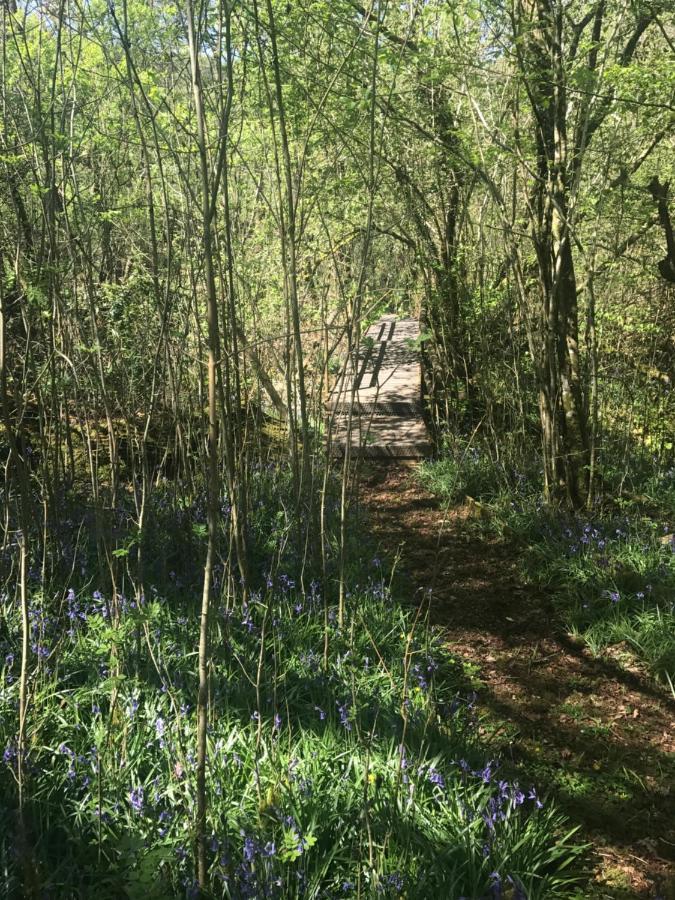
(383,388)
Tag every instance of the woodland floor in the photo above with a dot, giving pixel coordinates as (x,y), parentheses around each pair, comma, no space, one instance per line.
(596,734)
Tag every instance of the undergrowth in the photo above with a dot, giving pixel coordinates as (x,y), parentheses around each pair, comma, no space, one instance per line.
(342,761)
(610,572)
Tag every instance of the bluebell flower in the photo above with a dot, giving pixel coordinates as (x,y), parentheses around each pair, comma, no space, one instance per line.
(422,683)
(404,765)
(486,774)
(532,795)
(9,754)
(343,710)
(286,583)
(396,881)
(435,777)
(136,799)
(249,849)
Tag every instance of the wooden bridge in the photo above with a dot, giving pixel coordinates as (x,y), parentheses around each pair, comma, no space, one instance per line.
(376,406)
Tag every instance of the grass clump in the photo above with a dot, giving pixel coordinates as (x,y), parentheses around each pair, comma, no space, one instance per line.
(342,763)
(470,468)
(610,573)
(611,578)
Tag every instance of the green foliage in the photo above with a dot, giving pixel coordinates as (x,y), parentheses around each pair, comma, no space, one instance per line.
(358,772)
(467,468)
(613,580)
(416,119)
(611,576)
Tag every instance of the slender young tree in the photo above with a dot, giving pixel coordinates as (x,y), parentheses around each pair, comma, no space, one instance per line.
(212,479)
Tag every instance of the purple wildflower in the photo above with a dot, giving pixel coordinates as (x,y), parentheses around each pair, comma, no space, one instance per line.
(435,777)
(250,849)
(343,710)
(136,799)
(9,755)
(532,795)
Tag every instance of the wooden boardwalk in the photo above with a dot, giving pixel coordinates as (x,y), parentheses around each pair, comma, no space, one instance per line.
(383,389)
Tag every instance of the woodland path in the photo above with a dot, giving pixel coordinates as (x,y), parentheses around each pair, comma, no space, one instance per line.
(376,405)
(596,734)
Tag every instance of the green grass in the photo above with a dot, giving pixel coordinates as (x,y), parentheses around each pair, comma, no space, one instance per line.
(612,580)
(610,574)
(360,773)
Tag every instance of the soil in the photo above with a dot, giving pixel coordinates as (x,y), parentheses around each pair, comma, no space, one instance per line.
(597,734)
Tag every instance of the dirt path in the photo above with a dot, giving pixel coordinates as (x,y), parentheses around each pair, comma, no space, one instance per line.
(595,733)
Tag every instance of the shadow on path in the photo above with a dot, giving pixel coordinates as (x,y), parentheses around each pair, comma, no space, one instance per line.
(596,733)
